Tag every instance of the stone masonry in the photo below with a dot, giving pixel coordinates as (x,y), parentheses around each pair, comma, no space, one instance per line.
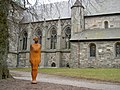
(64,41)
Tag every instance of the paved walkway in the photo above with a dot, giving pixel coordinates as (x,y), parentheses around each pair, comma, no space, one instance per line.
(67,81)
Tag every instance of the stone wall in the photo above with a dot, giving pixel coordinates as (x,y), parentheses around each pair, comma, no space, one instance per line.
(24,59)
(48,56)
(65,59)
(105,55)
(14,18)
(13,44)
(51,58)
(98,22)
(12,60)
(74,55)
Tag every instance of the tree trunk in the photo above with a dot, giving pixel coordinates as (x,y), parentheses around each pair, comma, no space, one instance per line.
(4,6)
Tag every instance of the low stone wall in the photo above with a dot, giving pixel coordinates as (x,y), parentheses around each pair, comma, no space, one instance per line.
(105,55)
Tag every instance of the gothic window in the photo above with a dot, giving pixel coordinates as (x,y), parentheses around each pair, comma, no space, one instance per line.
(20,45)
(106,24)
(92,50)
(39,34)
(53,38)
(24,46)
(67,37)
(117,49)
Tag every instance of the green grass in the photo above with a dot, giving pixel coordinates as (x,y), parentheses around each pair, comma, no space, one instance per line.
(88,73)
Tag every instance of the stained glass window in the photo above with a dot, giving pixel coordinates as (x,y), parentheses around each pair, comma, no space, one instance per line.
(53,38)
(67,37)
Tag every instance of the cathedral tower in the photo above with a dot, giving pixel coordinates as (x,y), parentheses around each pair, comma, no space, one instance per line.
(77,17)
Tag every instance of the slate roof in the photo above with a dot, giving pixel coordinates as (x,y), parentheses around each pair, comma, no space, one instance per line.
(97,34)
(62,9)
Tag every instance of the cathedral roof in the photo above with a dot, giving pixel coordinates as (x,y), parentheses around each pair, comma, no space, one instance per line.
(97,34)
(63,9)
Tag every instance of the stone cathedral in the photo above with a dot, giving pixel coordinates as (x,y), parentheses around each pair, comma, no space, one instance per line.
(81,41)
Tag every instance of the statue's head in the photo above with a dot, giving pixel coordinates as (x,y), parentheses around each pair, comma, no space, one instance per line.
(35,39)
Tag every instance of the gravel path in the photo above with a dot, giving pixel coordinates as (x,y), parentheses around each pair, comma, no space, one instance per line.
(15,84)
(67,81)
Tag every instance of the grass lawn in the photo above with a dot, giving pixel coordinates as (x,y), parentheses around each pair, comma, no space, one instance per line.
(88,73)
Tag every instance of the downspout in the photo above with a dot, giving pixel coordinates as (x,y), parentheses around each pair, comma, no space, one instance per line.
(18,47)
(78,53)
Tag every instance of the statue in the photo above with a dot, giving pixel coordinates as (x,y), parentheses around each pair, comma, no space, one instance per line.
(35,55)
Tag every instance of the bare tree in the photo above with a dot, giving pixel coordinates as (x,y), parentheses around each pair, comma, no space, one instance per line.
(4,6)
(4,34)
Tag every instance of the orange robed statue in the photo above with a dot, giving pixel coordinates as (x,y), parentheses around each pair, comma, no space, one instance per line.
(35,55)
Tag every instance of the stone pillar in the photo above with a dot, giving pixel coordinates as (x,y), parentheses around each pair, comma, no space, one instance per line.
(77,23)
(58,53)
(43,54)
(77,17)
(29,37)
(28,45)
(44,36)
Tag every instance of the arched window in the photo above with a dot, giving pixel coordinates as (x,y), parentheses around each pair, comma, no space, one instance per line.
(92,50)
(24,46)
(117,49)
(53,38)
(53,65)
(106,24)
(67,65)
(67,37)
(39,34)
